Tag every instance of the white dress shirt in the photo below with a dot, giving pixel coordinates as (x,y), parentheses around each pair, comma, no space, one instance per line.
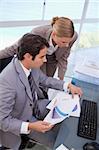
(52,48)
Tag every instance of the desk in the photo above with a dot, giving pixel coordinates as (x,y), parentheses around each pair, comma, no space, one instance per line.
(68,131)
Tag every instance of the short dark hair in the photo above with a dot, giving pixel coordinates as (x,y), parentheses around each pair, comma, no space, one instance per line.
(31,44)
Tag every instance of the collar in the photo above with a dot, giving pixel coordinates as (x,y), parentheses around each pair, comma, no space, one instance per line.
(27,72)
(51,43)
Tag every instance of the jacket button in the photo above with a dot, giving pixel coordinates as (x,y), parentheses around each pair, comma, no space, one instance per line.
(30,104)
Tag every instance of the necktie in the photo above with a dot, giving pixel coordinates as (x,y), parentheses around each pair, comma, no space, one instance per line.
(36,111)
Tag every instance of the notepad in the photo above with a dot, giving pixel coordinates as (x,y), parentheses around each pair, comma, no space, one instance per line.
(62,147)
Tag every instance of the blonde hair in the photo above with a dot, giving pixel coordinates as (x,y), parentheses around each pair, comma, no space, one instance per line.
(63,26)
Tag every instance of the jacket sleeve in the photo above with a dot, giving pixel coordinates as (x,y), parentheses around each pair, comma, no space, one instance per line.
(7,101)
(41,30)
(9,51)
(50,82)
(62,62)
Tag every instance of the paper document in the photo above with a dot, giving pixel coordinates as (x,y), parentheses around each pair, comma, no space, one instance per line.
(89,67)
(62,106)
(62,147)
(53,117)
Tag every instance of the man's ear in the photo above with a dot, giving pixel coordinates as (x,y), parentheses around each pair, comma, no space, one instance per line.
(27,55)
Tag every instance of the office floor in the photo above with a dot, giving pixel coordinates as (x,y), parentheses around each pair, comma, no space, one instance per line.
(38,147)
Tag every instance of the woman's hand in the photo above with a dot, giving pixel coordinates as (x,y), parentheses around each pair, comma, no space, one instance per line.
(75,90)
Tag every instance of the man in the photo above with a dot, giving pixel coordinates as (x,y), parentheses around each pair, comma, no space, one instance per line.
(21,110)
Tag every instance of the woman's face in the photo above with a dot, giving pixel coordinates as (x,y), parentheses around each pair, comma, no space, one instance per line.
(61,41)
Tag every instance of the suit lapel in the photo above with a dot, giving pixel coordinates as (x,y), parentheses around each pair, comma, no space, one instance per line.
(59,52)
(37,89)
(23,78)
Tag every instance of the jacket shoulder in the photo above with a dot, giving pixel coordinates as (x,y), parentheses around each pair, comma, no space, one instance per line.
(41,30)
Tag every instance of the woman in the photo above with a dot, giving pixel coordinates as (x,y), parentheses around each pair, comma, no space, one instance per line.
(61,36)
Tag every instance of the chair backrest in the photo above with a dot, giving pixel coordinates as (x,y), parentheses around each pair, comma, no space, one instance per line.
(4,62)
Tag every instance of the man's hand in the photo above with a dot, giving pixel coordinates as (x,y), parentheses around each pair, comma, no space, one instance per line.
(75,90)
(40,126)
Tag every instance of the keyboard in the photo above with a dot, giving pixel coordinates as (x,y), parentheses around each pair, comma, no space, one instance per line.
(87,124)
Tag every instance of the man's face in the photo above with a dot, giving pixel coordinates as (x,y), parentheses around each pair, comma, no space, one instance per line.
(39,59)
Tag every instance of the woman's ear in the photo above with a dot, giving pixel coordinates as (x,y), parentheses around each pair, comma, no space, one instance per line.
(53,33)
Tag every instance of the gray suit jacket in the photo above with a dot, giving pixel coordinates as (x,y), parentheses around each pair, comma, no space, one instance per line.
(61,54)
(15,100)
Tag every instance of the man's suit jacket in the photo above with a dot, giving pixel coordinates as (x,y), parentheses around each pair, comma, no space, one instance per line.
(61,54)
(16,100)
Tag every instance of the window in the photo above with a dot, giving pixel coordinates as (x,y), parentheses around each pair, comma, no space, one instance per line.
(93,9)
(11,10)
(10,35)
(89,35)
(67,8)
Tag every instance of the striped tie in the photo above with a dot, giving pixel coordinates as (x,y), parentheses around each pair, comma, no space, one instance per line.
(36,111)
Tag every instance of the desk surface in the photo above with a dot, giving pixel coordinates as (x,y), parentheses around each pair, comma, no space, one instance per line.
(68,131)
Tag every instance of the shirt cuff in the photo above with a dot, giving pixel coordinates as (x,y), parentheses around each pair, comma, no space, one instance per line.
(65,86)
(24,128)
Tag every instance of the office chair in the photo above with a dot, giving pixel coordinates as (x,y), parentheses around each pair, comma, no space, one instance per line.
(4,62)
